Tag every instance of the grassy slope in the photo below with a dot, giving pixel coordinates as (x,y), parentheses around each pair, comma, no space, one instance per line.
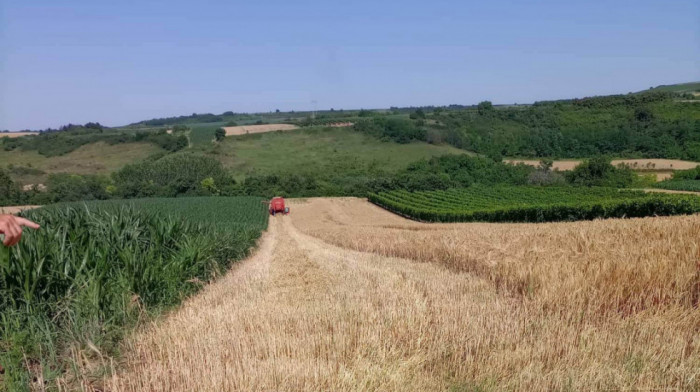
(298,151)
(89,159)
(678,88)
(309,149)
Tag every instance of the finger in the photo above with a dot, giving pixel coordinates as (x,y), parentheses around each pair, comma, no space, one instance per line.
(27,223)
(9,236)
(15,234)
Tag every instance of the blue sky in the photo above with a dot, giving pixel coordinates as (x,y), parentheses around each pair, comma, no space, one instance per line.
(118,62)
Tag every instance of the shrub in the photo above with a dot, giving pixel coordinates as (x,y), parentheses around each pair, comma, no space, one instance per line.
(10,193)
(398,130)
(73,187)
(600,172)
(220,134)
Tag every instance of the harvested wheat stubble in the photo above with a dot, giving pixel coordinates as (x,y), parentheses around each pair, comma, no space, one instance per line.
(325,304)
(246,129)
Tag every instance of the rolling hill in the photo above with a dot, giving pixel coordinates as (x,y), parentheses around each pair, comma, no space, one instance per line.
(663,122)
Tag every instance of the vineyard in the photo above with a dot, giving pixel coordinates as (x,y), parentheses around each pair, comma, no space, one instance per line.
(531,204)
(95,267)
(680,185)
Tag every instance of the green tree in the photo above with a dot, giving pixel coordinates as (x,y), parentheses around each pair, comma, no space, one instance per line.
(209,185)
(599,171)
(417,115)
(220,134)
(484,107)
(9,191)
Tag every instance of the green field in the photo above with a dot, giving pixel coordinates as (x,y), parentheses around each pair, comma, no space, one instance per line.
(93,158)
(95,268)
(679,185)
(319,150)
(225,213)
(679,88)
(531,204)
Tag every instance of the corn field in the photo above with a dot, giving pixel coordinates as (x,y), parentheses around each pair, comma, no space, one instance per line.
(96,267)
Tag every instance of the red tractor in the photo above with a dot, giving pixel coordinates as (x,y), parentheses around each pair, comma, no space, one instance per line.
(277,206)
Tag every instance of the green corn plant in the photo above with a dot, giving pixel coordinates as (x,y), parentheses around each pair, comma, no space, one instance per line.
(80,273)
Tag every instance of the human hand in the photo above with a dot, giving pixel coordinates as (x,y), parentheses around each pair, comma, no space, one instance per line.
(11,227)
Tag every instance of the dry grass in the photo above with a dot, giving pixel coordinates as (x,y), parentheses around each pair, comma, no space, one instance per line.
(345,296)
(246,129)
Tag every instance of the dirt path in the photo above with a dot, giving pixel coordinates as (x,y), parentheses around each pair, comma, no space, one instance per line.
(307,313)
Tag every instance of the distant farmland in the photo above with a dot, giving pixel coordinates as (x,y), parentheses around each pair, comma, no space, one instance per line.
(17,134)
(246,129)
(662,168)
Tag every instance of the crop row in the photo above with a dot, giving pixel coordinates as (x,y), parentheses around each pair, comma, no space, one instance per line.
(94,267)
(532,204)
(680,185)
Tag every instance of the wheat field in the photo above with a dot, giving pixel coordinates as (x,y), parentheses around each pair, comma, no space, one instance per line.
(344,296)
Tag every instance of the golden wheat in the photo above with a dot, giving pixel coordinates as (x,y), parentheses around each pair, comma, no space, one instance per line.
(343,295)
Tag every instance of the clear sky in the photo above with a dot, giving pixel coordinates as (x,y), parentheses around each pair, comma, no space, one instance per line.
(122,61)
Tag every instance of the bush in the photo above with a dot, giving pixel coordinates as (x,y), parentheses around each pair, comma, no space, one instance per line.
(546,178)
(600,172)
(10,193)
(73,187)
(220,134)
(398,130)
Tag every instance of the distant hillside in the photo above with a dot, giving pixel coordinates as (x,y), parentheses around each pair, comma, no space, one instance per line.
(663,122)
(314,150)
(692,87)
